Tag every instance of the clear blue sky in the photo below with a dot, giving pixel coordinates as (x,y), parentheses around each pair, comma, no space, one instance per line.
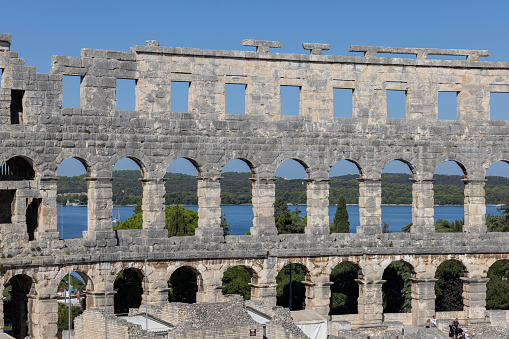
(41,29)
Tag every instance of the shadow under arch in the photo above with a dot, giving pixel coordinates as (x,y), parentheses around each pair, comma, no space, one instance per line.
(397,289)
(237,280)
(345,288)
(449,286)
(497,288)
(184,283)
(292,295)
(18,168)
(129,290)
(16,305)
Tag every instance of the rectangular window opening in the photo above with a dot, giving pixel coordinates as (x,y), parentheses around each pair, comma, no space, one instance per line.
(396,55)
(126,94)
(447,105)
(499,106)
(290,100)
(179,96)
(396,104)
(1,76)
(17,116)
(235,98)
(71,91)
(342,102)
(446,57)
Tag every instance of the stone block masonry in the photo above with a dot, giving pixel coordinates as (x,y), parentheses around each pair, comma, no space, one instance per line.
(37,134)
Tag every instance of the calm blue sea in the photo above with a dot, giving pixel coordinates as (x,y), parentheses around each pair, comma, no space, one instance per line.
(239,217)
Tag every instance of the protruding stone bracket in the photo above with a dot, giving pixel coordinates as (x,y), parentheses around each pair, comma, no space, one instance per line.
(262,46)
(314,48)
(474,181)
(5,42)
(420,53)
(152,43)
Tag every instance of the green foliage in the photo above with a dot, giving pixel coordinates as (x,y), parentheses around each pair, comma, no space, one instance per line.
(397,290)
(497,289)
(385,228)
(444,226)
(183,286)
(288,222)
(298,288)
(63,316)
(132,223)
(176,223)
(7,294)
(499,223)
(407,228)
(128,285)
(236,281)
(76,283)
(449,288)
(340,223)
(344,290)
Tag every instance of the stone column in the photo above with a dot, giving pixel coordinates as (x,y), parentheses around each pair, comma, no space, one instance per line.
(474,298)
(263,286)
(209,207)
(370,211)
(318,295)
(210,287)
(153,208)
(370,302)
(423,300)
(317,206)
(157,288)
(98,92)
(43,316)
(422,206)
(100,209)
(47,228)
(96,300)
(475,206)
(264,197)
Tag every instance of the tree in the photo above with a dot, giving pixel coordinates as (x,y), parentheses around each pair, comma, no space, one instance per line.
(288,222)
(344,290)
(449,288)
(340,223)
(499,223)
(183,286)
(236,281)
(385,228)
(76,283)
(63,316)
(298,288)
(176,223)
(497,288)
(397,290)
(225,226)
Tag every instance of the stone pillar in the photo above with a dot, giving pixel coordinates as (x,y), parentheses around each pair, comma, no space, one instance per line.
(370,302)
(422,207)
(475,206)
(210,287)
(98,92)
(318,295)
(153,208)
(157,288)
(263,286)
(423,300)
(209,207)
(100,210)
(264,197)
(47,228)
(474,298)
(43,316)
(317,206)
(370,211)
(96,300)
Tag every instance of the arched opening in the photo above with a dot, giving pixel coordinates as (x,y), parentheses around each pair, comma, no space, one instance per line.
(11,210)
(397,289)
(497,288)
(74,296)
(344,289)
(129,290)
(236,197)
(236,280)
(449,286)
(292,295)
(496,194)
(183,285)
(344,195)
(127,194)
(449,196)
(72,199)
(291,188)
(396,196)
(181,189)
(16,292)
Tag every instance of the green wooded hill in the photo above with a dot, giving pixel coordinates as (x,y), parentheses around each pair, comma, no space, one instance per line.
(236,189)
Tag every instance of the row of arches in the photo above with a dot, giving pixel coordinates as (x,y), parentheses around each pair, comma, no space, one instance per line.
(187,281)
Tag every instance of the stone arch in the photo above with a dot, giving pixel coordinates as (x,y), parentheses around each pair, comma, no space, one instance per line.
(357,164)
(283,157)
(397,289)
(179,290)
(140,159)
(237,282)
(449,286)
(22,286)
(81,271)
(86,159)
(252,164)
(497,287)
(300,291)
(452,157)
(128,285)
(33,158)
(492,160)
(18,168)
(397,157)
(344,288)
